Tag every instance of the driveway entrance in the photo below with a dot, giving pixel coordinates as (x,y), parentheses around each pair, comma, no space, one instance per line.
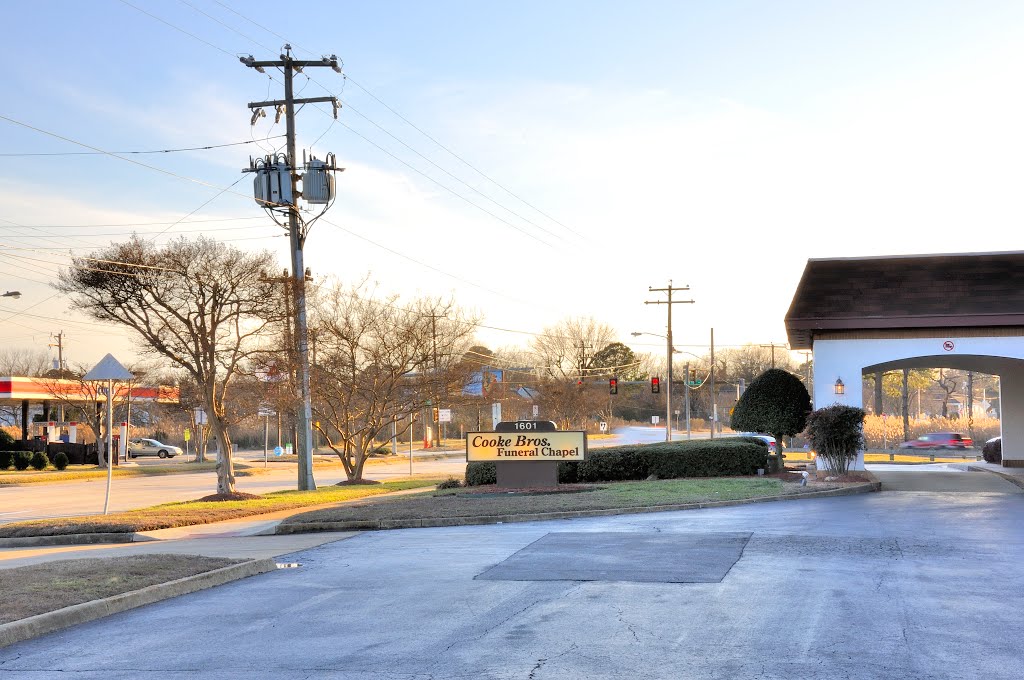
(940,478)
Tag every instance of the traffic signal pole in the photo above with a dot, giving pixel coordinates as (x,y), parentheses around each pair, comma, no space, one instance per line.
(670,302)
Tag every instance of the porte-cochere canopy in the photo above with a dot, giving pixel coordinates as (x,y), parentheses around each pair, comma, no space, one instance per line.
(966,311)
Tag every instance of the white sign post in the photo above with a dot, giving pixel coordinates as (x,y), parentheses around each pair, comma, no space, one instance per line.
(655,420)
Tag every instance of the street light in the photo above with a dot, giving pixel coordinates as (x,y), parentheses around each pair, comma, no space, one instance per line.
(13,293)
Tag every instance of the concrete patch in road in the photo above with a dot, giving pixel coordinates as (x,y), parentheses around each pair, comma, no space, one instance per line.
(623,556)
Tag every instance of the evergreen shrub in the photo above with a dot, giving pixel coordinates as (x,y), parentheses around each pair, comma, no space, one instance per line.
(22,459)
(60,461)
(6,458)
(39,461)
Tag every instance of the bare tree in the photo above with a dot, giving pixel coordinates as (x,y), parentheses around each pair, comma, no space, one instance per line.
(199,303)
(377,362)
(566,350)
(948,382)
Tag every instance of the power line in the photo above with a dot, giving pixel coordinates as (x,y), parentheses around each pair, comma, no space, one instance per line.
(379,147)
(410,124)
(101,153)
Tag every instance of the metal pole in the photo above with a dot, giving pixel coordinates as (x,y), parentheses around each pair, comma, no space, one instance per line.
(411,422)
(305,411)
(266,437)
(687,399)
(110,441)
(714,402)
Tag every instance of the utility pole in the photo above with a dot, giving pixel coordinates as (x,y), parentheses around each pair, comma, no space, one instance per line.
(669,302)
(60,373)
(773,346)
(297,232)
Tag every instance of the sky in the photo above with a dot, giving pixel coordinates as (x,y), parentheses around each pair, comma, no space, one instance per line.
(533,160)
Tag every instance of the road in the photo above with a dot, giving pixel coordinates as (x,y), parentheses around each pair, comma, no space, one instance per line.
(893,584)
(85,497)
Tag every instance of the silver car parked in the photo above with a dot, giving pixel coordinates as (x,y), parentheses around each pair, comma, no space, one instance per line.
(151,447)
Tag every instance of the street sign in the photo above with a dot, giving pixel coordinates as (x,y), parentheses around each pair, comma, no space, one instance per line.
(604,426)
(536,410)
(278,451)
(188,434)
(444,415)
(655,420)
(266,412)
(200,416)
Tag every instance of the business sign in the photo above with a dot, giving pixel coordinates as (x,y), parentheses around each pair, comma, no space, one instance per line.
(525,446)
(444,415)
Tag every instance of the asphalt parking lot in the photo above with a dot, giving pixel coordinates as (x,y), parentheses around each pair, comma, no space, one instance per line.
(893,584)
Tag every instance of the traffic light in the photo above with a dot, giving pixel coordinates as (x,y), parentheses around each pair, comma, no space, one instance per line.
(435,414)
(655,385)
(613,386)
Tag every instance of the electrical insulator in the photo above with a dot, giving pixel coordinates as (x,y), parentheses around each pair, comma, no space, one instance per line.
(655,385)
(613,386)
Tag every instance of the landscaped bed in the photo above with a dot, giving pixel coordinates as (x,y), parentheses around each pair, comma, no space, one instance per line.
(483,501)
(197,512)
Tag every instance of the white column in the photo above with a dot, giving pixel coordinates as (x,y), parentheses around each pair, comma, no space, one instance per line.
(122,446)
(832,362)
(72,433)
(1011,403)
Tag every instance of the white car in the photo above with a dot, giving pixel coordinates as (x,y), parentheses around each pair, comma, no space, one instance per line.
(151,447)
(766,438)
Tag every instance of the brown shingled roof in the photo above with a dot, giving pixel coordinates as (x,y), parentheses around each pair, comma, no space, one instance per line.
(912,291)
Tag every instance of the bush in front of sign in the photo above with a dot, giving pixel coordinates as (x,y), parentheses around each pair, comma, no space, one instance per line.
(481,473)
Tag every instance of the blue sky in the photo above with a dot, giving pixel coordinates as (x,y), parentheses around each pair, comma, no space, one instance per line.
(719,145)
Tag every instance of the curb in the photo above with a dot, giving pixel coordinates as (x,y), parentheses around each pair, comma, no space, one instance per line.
(34,626)
(68,539)
(1012,479)
(313,527)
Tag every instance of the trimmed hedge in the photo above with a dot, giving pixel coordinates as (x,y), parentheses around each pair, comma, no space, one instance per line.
(22,460)
(669,460)
(6,458)
(60,461)
(992,452)
(39,461)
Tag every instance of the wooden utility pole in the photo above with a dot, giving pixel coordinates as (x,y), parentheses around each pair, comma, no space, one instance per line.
(297,235)
(668,336)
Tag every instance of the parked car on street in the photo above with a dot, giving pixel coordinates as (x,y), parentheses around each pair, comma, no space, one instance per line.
(151,447)
(766,438)
(939,440)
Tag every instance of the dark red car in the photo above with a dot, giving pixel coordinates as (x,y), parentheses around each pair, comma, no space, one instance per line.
(939,440)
